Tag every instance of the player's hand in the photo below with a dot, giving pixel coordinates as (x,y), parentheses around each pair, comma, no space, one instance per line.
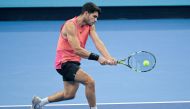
(112,61)
(103,61)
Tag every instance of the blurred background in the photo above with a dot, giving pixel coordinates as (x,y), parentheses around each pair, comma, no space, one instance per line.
(64,9)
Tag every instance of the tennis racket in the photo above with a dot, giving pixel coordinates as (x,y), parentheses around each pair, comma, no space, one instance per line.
(141,61)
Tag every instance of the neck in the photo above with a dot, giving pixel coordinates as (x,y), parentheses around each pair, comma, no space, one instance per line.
(80,20)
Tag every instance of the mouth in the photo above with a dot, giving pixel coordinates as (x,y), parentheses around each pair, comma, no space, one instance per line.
(91,23)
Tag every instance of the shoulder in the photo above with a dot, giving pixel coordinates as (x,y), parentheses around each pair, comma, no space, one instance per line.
(69,26)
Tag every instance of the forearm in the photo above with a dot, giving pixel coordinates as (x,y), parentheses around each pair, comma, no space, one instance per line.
(103,50)
(82,52)
(99,44)
(86,54)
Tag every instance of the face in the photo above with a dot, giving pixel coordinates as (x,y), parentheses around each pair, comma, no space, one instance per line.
(91,18)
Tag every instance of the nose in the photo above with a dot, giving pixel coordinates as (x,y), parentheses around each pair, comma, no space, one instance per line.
(95,19)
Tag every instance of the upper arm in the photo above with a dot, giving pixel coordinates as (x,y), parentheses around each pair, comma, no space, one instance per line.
(72,35)
(94,35)
(92,30)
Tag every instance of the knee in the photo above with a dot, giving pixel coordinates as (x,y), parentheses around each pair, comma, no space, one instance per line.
(90,83)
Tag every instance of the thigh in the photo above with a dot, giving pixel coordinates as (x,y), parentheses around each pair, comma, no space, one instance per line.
(68,70)
(70,87)
(82,77)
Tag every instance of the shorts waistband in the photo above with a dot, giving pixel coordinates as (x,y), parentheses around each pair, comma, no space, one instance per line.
(74,62)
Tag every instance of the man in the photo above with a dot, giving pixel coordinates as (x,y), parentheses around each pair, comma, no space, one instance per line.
(70,50)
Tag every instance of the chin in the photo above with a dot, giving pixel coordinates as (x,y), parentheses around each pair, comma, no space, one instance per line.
(91,24)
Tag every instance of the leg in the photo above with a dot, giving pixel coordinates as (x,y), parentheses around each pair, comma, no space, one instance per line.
(89,83)
(70,89)
(68,72)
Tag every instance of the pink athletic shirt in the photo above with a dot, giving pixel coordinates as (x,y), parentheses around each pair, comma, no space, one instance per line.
(64,50)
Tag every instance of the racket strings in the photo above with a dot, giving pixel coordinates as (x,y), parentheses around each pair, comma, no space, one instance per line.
(136,61)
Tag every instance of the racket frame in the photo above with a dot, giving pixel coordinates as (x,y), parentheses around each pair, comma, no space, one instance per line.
(123,61)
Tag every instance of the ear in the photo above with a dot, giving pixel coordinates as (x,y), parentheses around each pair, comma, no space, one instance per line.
(86,13)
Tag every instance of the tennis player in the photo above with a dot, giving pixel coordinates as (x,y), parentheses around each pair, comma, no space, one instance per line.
(70,49)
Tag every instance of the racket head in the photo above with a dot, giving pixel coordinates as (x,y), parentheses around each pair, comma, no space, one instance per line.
(135,61)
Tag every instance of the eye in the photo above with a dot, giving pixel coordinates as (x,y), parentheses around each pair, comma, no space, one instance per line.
(95,16)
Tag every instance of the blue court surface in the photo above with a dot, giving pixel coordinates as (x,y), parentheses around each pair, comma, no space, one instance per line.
(138,105)
(28,53)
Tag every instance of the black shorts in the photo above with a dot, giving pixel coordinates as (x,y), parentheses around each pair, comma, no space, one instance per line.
(68,70)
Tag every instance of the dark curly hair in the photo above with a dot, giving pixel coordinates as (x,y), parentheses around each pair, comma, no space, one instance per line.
(91,8)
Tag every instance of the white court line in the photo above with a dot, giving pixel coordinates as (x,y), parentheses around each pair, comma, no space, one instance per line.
(82,104)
